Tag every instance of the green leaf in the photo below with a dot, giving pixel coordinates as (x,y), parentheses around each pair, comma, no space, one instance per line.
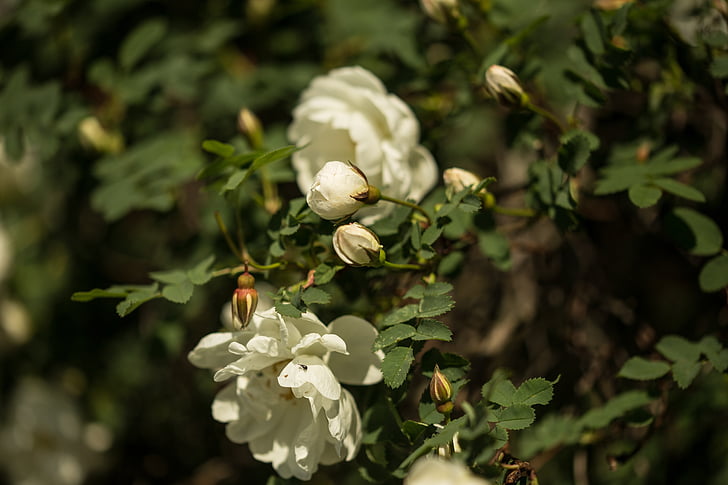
(714,275)
(83,296)
(170,277)
(430,329)
(684,372)
(499,391)
(714,351)
(399,315)
(534,391)
(644,195)
(417,291)
(260,161)
(288,310)
(576,146)
(643,369)
(431,234)
(395,366)
(413,429)
(201,274)
(136,298)
(315,295)
(617,406)
(415,236)
(218,148)
(694,231)
(593,34)
(392,335)
(719,67)
(323,274)
(140,41)
(618,180)
(438,288)
(680,189)
(678,349)
(434,305)
(179,292)
(667,166)
(517,416)
(495,245)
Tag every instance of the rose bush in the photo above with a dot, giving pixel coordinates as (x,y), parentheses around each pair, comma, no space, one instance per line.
(286,400)
(348,115)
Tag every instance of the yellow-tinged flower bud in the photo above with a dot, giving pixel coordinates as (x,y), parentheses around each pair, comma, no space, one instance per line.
(441,11)
(250,126)
(441,391)
(93,135)
(456,179)
(245,299)
(503,85)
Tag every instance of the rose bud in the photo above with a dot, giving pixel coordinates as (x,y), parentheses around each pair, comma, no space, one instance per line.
(441,11)
(339,189)
(456,179)
(503,85)
(245,299)
(250,126)
(441,391)
(357,245)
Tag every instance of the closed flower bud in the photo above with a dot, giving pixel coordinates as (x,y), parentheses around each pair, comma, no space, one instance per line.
(249,125)
(339,189)
(503,85)
(441,391)
(245,299)
(441,11)
(456,179)
(95,136)
(357,245)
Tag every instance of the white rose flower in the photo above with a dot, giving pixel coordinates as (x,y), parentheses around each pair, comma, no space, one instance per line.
(434,470)
(338,190)
(348,115)
(286,400)
(357,245)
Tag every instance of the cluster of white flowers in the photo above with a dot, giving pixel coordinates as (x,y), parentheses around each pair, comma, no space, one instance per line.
(347,115)
(286,400)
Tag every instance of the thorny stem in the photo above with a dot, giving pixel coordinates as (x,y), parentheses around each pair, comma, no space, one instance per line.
(407,204)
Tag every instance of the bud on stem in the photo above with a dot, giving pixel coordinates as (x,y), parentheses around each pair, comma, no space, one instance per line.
(441,392)
(244,301)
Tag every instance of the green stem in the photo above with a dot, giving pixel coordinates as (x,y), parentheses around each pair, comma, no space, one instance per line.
(395,413)
(388,264)
(546,114)
(511,211)
(237,252)
(407,204)
(264,267)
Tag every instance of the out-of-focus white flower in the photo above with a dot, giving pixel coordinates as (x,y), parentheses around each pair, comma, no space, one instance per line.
(44,439)
(503,85)
(15,324)
(286,399)
(338,190)
(348,115)
(93,135)
(434,470)
(441,11)
(357,245)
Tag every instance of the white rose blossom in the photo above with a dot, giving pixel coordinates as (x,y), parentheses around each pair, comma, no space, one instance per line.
(286,400)
(338,190)
(456,179)
(435,470)
(348,115)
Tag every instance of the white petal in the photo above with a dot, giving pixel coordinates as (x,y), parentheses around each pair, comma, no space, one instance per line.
(225,406)
(319,345)
(247,363)
(362,365)
(212,351)
(306,375)
(424,172)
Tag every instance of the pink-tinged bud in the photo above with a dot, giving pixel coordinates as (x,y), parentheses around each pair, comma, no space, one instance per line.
(441,391)
(245,299)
